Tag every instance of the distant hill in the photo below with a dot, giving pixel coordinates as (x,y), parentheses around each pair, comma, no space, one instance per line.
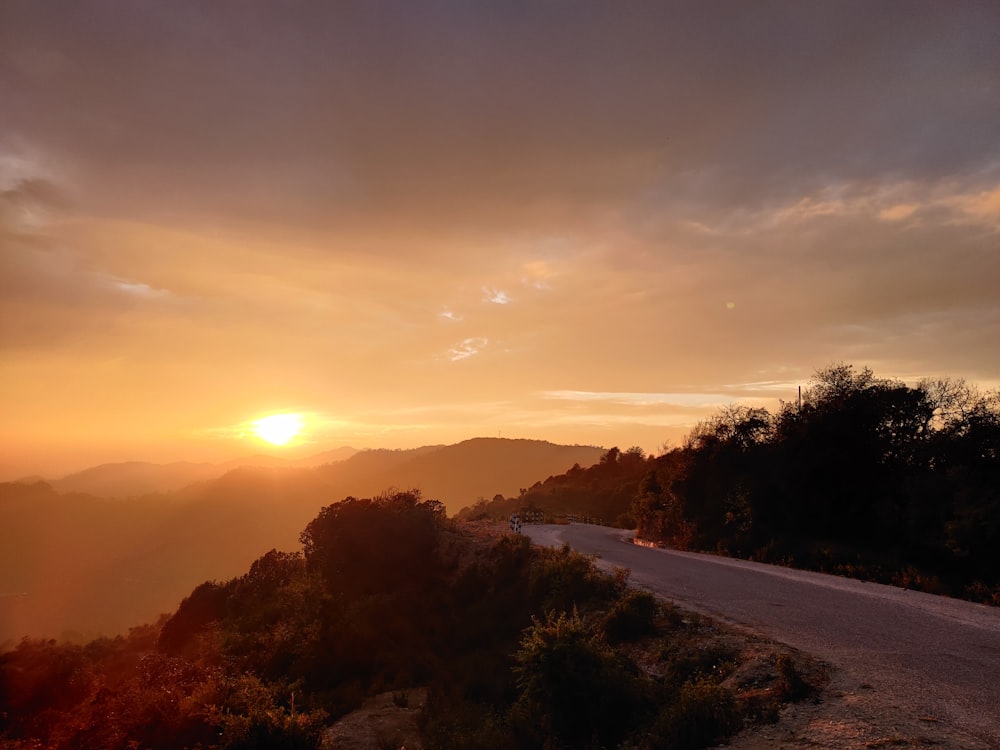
(489,466)
(71,561)
(132,478)
(135,478)
(459,475)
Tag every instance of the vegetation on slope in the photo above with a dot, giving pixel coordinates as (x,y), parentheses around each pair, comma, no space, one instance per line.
(601,493)
(519,647)
(868,477)
(78,566)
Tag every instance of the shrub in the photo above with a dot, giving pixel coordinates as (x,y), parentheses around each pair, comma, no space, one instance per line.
(631,617)
(700,715)
(563,579)
(573,687)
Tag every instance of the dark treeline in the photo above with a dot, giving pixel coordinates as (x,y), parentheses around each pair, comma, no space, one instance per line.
(519,648)
(868,477)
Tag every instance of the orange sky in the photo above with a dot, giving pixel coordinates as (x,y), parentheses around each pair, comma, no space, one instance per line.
(421,222)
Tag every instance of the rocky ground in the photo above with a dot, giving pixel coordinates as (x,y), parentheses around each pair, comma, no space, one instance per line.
(386,722)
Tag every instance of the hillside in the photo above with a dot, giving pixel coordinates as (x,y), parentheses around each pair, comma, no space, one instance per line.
(460,474)
(75,565)
(503,645)
(602,493)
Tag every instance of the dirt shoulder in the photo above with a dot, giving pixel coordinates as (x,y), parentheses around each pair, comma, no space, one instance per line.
(848,715)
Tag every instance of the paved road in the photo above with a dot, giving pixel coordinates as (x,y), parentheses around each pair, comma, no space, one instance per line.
(935,656)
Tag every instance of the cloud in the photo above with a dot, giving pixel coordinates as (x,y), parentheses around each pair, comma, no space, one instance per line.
(639,399)
(267,203)
(730,394)
(303,110)
(898,212)
(28,205)
(981,207)
(467,348)
(537,274)
(496,296)
(138,289)
(971,198)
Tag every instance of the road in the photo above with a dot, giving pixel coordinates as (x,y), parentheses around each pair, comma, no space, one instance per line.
(935,659)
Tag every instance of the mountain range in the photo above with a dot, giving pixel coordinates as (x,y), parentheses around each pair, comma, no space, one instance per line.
(133,478)
(75,564)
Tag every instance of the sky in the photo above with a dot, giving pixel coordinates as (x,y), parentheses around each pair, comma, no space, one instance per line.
(419,222)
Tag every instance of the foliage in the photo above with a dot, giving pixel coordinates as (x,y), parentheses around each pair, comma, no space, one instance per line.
(631,617)
(119,694)
(601,492)
(574,688)
(702,713)
(361,547)
(562,580)
(204,605)
(868,476)
(519,648)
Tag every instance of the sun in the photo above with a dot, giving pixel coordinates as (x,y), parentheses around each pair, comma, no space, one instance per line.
(278,429)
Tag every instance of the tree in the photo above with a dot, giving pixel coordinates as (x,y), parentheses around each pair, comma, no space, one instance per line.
(204,605)
(368,546)
(658,513)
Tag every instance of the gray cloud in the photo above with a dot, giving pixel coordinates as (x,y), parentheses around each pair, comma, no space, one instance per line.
(454,113)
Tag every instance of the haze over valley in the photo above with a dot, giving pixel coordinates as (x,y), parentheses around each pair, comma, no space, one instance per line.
(75,563)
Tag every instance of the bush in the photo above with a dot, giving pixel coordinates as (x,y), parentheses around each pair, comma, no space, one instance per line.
(701,714)
(573,687)
(631,617)
(562,580)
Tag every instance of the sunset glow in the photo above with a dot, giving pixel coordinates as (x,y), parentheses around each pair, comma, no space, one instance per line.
(278,429)
(424,222)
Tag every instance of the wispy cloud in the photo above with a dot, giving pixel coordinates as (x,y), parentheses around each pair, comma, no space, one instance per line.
(537,274)
(496,296)
(981,206)
(641,399)
(467,348)
(726,394)
(975,200)
(450,315)
(898,212)
(138,289)
(770,387)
